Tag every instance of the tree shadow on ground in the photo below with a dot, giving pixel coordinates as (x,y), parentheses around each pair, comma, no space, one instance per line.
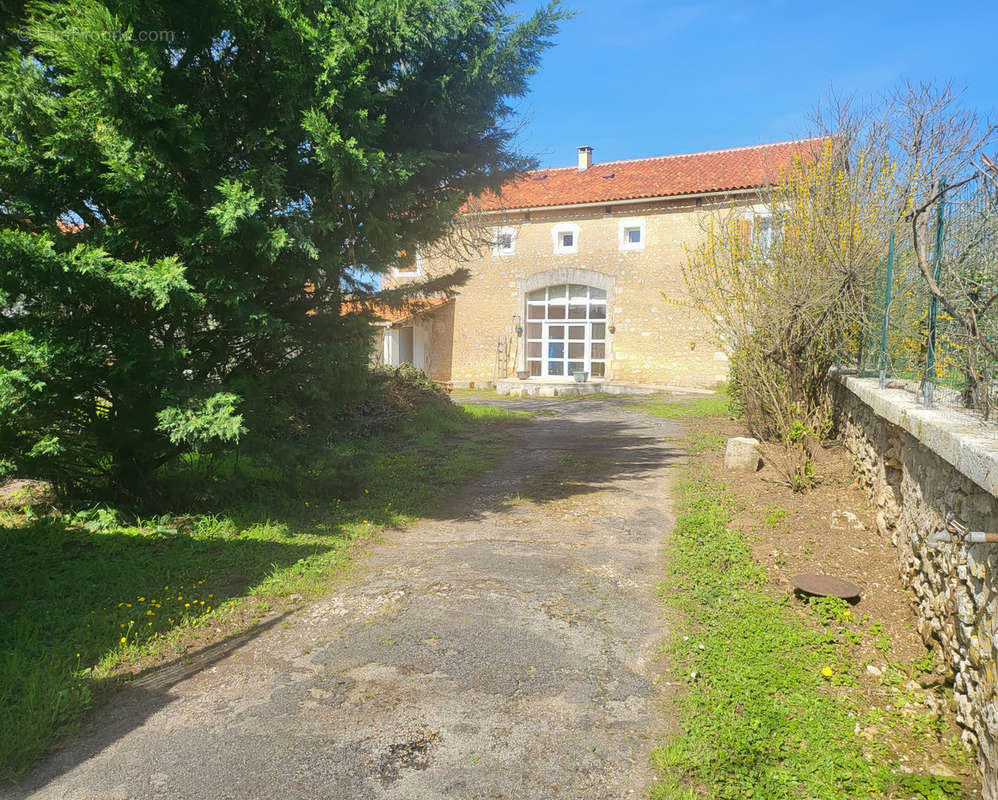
(72,599)
(567,455)
(133,705)
(78,591)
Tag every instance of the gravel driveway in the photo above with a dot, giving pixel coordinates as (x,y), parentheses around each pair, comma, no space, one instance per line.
(506,648)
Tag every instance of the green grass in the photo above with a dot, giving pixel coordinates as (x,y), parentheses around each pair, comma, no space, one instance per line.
(493,412)
(700,442)
(84,594)
(710,406)
(759,715)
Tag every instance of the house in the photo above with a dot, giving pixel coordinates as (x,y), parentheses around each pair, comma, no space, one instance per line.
(582,272)
(406,335)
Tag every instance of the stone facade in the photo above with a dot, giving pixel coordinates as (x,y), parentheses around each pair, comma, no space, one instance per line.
(655,338)
(914,489)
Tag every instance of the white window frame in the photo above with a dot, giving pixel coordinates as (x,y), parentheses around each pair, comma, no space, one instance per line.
(762,237)
(497,248)
(626,225)
(415,272)
(764,229)
(556,234)
(538,313)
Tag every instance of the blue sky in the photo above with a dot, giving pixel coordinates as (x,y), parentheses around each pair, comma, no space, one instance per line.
(638,78)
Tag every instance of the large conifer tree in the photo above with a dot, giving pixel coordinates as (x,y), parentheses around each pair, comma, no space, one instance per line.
(181,181)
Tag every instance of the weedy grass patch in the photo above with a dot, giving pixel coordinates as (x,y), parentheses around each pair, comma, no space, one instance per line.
(709,406)
(87,592)
(765,712)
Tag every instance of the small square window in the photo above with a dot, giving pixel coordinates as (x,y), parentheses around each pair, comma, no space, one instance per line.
(503,242)
(565,238)
(632,234)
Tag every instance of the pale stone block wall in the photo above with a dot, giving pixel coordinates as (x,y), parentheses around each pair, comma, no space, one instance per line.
(919,466)
(658,338)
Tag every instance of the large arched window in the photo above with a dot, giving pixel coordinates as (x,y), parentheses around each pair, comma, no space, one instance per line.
(566,331)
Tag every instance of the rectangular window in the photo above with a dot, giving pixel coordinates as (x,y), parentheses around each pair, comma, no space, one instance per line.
(408,267)
(631,234)
(503,242)
(565,238)
(566,331)
(766,232)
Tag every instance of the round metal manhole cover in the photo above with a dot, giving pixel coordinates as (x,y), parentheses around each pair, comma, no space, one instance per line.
(825,586)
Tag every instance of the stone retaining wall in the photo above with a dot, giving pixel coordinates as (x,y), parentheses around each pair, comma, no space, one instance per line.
(920,466)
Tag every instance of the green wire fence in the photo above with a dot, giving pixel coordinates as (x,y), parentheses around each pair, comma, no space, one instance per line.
(942,350)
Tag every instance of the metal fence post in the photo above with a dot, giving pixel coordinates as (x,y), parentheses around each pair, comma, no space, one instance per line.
(887,313)
(937,258)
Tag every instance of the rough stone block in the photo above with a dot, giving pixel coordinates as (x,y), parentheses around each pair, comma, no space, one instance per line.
(742,454)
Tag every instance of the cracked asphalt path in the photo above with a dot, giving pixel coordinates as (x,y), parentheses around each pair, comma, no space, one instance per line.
(506,648)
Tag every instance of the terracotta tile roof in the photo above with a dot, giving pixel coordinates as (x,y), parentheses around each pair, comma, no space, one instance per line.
(68,226)
(394,316)
(663,176)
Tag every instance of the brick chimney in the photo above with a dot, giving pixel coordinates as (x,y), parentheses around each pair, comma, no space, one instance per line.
(585,157)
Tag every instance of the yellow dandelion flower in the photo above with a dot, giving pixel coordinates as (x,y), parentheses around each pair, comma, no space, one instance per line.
(827,672)
(124,639)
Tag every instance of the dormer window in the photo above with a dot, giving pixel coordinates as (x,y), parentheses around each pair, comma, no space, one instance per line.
(504,242)
(631,234)
(566,238)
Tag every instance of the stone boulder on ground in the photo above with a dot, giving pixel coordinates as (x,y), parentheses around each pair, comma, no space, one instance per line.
(742,454)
